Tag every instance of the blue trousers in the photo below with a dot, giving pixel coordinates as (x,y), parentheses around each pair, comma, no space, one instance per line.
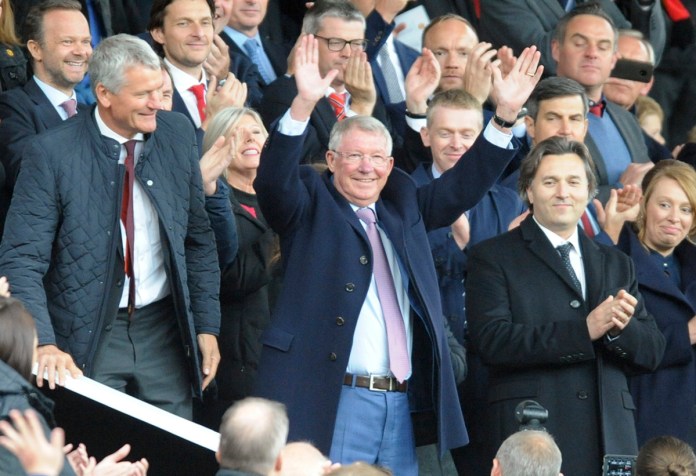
(375,427)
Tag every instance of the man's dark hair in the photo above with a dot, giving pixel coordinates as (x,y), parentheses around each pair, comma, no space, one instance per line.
(33,25)
(552,88)
(554,146)
(17,332)
(591,8)
(158,12)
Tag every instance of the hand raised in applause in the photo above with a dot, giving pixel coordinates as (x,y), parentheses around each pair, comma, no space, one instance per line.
(421,82)
(360,85)
(310,84)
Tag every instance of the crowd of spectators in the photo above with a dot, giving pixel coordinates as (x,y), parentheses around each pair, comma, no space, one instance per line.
(279,220)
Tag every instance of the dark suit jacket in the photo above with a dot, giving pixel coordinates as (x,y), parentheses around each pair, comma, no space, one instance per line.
(521,23)
(632,134)
(245,71)
(528,324)
(277,53)
(326,256)
(24,113)
(396,111)
(665,399)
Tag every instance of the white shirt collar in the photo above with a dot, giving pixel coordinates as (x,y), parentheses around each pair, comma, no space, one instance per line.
(182,80)
(110,133)
(55,96)
(556,240)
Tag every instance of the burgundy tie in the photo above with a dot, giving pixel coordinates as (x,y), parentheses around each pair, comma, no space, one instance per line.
(127,219)
(587,225)
(199,91)
(399,363)
(70,107)
(338,103)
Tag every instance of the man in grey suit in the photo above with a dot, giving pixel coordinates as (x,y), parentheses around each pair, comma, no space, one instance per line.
(566,334)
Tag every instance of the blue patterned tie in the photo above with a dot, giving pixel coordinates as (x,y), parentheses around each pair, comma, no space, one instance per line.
(253,49)
(390,77)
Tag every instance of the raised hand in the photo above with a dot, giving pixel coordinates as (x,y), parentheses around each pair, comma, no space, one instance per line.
(27,441)
(232,93)
(214,162)
(622,206)
(511,92)
(421,82)
(477,74)
(218,61)
(310,84)
(359,83)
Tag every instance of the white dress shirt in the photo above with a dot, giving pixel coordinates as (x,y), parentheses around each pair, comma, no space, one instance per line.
(55,97)
(182,82)
(575,253)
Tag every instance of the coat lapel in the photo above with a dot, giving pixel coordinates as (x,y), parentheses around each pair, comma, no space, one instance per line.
(593,261)
(541,247)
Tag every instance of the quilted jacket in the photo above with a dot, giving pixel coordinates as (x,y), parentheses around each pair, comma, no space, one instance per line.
(62,251)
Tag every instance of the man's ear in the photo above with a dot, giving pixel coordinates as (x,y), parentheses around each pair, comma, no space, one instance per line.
(425,136)
(35,50)
(495,470)
(157,35)
(217,456)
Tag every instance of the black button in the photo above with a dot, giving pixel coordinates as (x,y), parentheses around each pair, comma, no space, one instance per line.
(119,283)
(363,259)
(350,287)
(332,356)
(340,321)
(582,395)
(575,304)
(108,328)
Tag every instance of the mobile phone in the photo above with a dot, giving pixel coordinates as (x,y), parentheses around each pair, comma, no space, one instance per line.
(618,465)
(640,71)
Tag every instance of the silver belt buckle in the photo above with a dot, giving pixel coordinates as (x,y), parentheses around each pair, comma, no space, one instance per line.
(375,389)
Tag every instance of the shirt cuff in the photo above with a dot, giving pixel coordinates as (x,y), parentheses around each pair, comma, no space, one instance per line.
(497,137)
(416,124)
(291,127)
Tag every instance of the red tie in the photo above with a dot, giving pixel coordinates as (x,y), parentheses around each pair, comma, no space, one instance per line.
(338,103)
(587,225)
(199,91)
(127,219)
(597,108)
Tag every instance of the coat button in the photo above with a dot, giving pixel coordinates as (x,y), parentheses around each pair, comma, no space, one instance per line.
(332,356)
(108,328)
(340,321)
(575,304)
(363,259)
(582,395)
(149,183)
(119,283)
(350,287)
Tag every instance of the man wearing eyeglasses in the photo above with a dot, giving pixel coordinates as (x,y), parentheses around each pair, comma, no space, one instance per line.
(340,30)
(357,340)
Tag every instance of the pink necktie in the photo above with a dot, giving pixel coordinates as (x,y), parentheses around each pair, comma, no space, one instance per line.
(399,363)
(70,107)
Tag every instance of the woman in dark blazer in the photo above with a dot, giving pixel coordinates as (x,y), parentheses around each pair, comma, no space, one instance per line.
(661,244)
(244,303)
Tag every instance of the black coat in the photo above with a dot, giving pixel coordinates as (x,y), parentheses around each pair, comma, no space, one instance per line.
(528,323)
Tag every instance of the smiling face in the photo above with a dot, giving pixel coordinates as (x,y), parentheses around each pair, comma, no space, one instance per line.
(360,183)
(61,58)
(563,116)
(134,107)
(451,41)
(587,53)
(247,15)
(249,137)
(559,193)
(450,134)
(668,216)
(186,34)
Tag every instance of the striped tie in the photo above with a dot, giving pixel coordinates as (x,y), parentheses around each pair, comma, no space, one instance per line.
(338,103)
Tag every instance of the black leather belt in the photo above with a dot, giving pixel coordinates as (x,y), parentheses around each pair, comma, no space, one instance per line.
(376,383)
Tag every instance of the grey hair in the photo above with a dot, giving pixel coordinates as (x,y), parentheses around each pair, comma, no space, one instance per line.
(593,9)
(552,88)
(640,37)
(362,123)
(529,453)
(554,146)
(313,19)
(226,120)
(114,55)
(252,434)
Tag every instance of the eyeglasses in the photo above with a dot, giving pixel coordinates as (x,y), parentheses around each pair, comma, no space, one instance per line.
(357,157)
(337,44)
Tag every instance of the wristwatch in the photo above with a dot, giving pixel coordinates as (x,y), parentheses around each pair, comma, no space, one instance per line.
(502,122)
